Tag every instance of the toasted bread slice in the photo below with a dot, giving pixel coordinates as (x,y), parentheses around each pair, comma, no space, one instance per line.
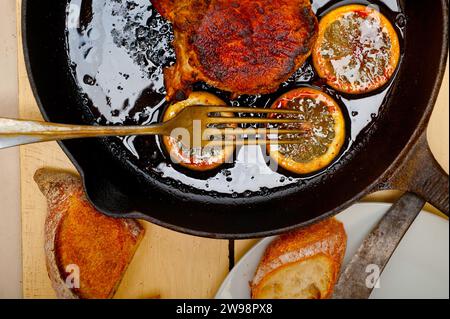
(81,241)
(304,264)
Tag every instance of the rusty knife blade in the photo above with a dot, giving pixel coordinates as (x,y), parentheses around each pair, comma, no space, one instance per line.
(377,249)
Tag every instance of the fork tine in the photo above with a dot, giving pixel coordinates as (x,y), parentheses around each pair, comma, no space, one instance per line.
(250,120)
(251,131)
(247,142)
(249,110)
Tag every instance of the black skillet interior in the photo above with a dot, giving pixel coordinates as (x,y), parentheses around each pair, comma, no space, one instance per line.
(118,186)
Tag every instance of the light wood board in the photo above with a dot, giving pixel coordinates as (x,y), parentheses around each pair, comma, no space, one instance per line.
(167,264)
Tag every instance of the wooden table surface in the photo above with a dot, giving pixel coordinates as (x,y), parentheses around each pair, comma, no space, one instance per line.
(168,264)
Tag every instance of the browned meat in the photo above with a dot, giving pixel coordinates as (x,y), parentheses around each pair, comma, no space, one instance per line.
(240,46)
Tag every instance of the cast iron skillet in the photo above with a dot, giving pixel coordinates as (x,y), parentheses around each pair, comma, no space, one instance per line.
(395,156)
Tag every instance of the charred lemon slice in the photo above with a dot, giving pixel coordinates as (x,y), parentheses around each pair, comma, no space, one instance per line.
(197,159)
(357,50)
(321,142)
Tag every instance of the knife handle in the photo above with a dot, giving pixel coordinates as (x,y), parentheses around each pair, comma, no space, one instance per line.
(377,248)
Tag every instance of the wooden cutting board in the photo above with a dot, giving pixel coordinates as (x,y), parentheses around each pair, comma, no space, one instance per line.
(167,264)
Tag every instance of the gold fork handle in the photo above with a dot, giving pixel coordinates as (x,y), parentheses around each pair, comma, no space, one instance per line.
(20,132)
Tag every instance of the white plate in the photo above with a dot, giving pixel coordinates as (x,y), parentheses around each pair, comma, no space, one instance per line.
(419,267)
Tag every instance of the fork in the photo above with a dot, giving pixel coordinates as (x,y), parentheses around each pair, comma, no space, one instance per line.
(209,121)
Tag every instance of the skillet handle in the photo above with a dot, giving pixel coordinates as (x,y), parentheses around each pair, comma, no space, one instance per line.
(421,174)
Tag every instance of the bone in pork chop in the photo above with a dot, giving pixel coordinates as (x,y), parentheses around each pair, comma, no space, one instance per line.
(243,47)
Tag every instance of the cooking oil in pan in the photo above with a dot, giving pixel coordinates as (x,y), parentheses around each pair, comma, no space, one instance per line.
(118,50)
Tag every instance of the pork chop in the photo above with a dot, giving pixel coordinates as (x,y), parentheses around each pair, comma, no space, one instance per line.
(243,47)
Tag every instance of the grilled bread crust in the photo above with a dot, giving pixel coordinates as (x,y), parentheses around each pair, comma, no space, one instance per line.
(311,256)
(76,234)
